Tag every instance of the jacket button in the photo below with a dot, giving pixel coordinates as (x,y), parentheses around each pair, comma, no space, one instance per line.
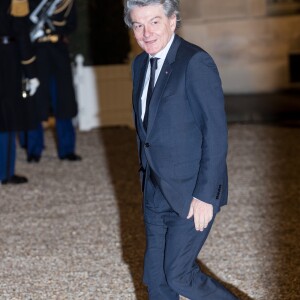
(147,145)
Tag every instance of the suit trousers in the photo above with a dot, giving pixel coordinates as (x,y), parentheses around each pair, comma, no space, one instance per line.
(172,247)
(7,154)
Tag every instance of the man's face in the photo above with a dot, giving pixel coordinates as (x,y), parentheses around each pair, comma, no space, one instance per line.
(152,29)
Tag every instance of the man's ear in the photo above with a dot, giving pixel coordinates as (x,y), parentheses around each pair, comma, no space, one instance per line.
(173,21)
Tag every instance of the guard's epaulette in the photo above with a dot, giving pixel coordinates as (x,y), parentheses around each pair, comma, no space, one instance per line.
(64,5)
(19,8)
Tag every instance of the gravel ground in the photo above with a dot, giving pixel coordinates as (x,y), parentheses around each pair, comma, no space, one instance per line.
(75,231)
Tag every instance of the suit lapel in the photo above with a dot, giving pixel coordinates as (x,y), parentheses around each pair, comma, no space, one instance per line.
(137,106)
(162,81)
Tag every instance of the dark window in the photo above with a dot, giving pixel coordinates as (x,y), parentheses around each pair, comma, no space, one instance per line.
(283,7)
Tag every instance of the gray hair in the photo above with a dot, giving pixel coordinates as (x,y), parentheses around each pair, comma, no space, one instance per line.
(171,7)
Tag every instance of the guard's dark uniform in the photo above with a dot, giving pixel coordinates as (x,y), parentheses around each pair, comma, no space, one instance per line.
(56,93)
(16,60)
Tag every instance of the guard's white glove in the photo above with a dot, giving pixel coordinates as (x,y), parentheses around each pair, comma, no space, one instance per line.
(32,85)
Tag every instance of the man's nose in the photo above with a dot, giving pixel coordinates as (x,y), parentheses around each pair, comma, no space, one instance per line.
(147,31)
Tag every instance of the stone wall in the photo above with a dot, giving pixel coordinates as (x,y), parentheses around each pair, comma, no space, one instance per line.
(250,46)
(103,94)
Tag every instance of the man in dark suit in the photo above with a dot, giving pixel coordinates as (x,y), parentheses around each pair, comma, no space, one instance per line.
(17,61)
(182,143)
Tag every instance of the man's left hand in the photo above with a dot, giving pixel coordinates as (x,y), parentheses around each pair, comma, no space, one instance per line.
(202,212)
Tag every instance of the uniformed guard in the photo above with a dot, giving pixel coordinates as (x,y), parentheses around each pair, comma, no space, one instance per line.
(17,61)
(56,95)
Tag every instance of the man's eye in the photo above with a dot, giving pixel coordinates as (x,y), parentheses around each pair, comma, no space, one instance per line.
(137,27)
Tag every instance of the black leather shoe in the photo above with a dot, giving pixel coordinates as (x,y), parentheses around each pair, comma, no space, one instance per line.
(33,158)
(71,157)
(15,179)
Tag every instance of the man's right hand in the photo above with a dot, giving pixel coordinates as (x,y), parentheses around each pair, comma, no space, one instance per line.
(202,212)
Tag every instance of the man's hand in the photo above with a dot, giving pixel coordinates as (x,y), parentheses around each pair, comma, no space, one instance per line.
(202,212)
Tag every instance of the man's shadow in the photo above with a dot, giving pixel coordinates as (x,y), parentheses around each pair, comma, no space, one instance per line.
(238,293)
(122,160)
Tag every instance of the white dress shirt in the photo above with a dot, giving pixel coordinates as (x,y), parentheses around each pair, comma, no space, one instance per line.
(162,56)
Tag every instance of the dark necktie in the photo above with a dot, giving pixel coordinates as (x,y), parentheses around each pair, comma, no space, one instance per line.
(153,66)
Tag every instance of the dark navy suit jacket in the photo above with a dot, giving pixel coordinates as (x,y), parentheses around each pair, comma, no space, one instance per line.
(185,145)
